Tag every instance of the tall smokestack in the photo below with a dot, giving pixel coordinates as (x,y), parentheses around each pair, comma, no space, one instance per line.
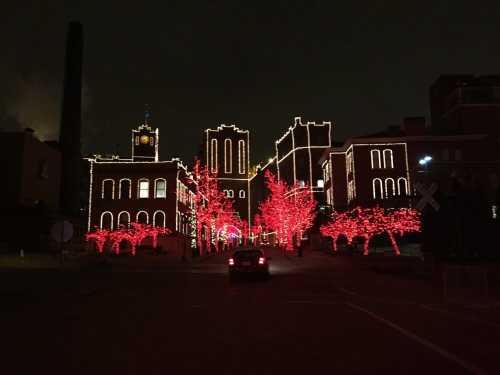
(71,121)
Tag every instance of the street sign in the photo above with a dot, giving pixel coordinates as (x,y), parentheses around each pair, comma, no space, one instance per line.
(427,192)
(62,231)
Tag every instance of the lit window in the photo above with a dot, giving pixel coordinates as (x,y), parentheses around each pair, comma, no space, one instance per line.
(242,194)
(388,159)
(321,183)
(230,193)
(160,188)
(375,159)
(378,190)
(241,156)
(494,211)
(228,156)
(143,189)
(136,140)
(302,183)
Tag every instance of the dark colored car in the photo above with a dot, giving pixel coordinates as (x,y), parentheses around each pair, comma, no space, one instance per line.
(248,261)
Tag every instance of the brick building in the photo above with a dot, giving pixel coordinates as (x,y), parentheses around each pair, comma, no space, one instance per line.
(298,152)
(226,151)
(141,188)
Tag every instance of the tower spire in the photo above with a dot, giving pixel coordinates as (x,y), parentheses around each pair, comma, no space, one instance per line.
(147,115)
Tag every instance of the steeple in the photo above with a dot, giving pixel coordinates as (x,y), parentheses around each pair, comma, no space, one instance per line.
(147,115)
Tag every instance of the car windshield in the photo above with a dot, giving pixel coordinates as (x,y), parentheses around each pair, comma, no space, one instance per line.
(248,254)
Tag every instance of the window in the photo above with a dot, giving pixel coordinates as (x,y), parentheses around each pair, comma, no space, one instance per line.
(159,219)
(124,190)
(136,140)
(375,159)
(320,183)
(402,186)
(302,183)
(241,157)
(151,141)
(242,194)
(378,190)
(445,154)
(494,211)
(43,170)
(142,217)
(388,159)
(230,193)
(228,156)
(160,188)
(108,189)
(143,188)
(123,219)
(390,189)
(213,155)
(106,221)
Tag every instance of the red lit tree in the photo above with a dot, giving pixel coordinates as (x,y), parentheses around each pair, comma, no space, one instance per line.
(134,235)
(288,211)
(213,210)
(368,222)
(99,237)
(400,222)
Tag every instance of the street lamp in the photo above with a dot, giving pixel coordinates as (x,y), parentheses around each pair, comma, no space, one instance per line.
(425,160)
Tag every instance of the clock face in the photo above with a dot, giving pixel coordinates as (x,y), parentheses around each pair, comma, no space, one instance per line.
(144,139)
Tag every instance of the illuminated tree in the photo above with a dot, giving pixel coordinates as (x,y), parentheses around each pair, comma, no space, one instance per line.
(134,235)
(288,211)
(368,222)
(99,237)
(400,222)
(212,209)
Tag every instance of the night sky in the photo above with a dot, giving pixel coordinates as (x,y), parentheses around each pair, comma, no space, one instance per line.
(201,63)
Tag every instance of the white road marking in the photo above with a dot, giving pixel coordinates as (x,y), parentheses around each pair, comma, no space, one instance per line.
(460,316)
(312,302)
(446,354)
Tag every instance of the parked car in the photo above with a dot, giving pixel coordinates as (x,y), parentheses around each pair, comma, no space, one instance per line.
(248,261)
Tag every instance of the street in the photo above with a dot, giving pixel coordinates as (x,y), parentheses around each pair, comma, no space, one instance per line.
(317,314)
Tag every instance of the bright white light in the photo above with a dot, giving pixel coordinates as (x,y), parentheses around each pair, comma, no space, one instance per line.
(422,162)
(428,158)
(270,160)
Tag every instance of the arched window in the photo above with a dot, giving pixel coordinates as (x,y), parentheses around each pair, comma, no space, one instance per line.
(142,217)
(241,157)
(378,190)
(388,159)
(230,193)
(242,194)
(123,219)
(402,186)
(108,189)
(390,188)
(375,159)
(143,188)
(213,155)
(124,190)
(106,221)
(159,219)
(226,193)
(160,188)
(228,156)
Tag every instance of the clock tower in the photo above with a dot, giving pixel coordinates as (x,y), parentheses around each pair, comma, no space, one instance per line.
(145,142)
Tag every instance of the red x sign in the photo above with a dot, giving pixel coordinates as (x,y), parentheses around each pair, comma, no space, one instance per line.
(426,192)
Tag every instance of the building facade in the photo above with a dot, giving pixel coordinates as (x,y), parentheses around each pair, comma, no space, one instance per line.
(226,152)
(140,189)
(298,153)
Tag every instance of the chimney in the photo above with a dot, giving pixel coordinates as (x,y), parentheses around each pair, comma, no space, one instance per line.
(71,121)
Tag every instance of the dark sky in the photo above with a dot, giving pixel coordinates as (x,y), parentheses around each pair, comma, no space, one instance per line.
(202,63)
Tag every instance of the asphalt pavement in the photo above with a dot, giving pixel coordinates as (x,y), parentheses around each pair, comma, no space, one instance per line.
(317,314)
